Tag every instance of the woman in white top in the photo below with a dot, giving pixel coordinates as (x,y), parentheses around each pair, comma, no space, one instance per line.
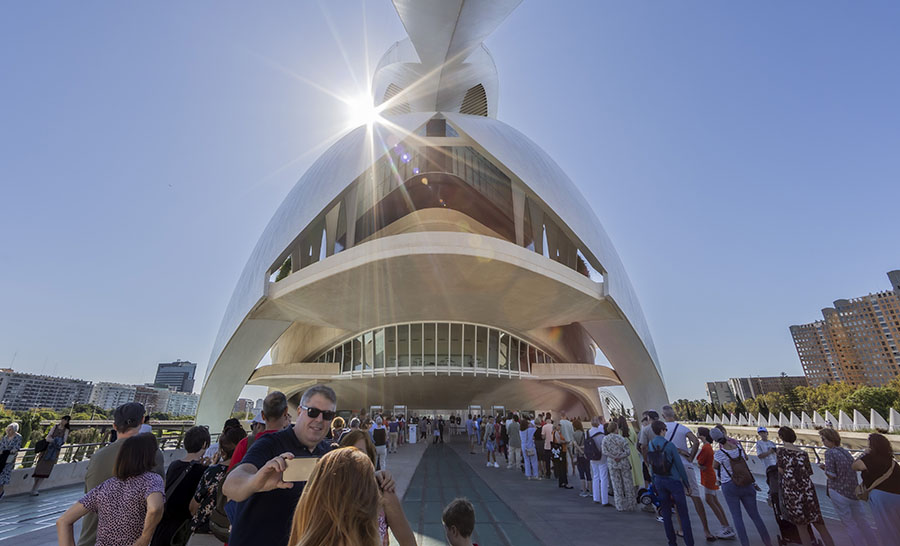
(737,495)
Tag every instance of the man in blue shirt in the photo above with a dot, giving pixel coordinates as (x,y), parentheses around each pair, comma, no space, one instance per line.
(670,481)
(470,431)
(267,502)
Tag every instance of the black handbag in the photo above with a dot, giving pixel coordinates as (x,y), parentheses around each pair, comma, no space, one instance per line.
(41,446)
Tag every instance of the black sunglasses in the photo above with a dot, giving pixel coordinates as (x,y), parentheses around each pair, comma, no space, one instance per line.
(314,413)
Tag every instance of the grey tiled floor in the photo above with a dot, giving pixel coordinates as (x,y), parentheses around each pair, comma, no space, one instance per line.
(23,515)
(443,476)
(559,516)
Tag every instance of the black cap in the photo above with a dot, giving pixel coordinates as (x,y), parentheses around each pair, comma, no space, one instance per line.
(128,415)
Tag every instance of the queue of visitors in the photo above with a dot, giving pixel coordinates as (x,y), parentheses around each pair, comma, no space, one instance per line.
(617,459)
(257,488)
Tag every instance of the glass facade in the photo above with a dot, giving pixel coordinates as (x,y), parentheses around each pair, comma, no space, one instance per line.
(433,347)
(414,176)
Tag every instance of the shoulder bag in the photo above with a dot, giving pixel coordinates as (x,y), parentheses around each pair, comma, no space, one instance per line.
(862,492)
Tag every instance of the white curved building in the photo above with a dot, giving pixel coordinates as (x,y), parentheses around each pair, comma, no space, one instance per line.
(437,258)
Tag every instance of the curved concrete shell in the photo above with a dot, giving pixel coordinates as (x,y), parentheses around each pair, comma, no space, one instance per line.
(460,243)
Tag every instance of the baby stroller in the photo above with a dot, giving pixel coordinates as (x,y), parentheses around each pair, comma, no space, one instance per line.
(648,497)
(787,531)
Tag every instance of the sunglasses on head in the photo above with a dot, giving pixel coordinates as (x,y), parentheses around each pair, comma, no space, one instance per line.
(315,412)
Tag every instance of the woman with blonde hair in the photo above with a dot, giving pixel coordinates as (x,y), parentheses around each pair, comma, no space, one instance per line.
(390,511)
(339,505)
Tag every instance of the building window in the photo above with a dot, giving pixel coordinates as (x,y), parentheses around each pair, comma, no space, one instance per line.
(440,345)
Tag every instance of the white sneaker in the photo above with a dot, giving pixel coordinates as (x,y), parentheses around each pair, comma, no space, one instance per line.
(488,463)
(496,465)
(727,533)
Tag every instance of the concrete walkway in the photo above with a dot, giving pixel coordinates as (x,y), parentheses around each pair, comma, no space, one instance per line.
(31,521)
(443,476)
(559,516)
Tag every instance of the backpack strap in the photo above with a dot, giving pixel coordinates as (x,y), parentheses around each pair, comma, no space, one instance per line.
(886,475)
(673,432)
(663,448)
(721,466)
(171,489)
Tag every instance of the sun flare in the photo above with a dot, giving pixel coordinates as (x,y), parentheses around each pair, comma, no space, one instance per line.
(361,110)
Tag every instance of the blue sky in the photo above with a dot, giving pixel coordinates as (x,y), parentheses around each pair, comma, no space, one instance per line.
(743,157)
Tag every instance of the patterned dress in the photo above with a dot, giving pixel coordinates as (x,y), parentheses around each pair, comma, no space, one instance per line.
(796,489)
(13,445)
(614,446)
(121,507)
(383,528)
(206,497)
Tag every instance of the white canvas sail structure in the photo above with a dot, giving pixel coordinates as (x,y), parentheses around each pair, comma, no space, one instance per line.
(818,420)
(805,421)
(894,425)
(859,421)
(844,421)
(773,421)
(794,420)
(876,421)
(830,418)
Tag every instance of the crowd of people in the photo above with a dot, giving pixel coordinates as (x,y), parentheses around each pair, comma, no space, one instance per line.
(310,481)
(256,488)
(660,463)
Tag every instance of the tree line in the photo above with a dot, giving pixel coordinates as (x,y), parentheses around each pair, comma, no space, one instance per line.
(31,430)
(833,397)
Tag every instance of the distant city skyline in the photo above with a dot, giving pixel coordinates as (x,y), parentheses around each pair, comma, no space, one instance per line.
(857,340)
(723,147)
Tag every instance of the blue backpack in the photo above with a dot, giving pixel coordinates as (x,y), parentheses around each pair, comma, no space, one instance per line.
(659,462)
(592,451)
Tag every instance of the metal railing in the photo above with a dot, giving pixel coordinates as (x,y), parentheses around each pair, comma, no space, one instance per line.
(72,453)
(817,452)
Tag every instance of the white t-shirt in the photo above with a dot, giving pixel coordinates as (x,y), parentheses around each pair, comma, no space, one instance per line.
(765,445)
(645,435)
(720,455)
(567,430)
(677,435)
(598,440)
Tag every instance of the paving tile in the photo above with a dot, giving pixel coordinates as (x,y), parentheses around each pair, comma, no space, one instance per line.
(432,512)
(500,512)
(486,535)
(434,535)
(516,533)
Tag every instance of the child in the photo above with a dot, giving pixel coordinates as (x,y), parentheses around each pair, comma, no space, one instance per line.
(459,522)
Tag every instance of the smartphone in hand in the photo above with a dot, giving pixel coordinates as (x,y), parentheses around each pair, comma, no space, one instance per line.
(299,469)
